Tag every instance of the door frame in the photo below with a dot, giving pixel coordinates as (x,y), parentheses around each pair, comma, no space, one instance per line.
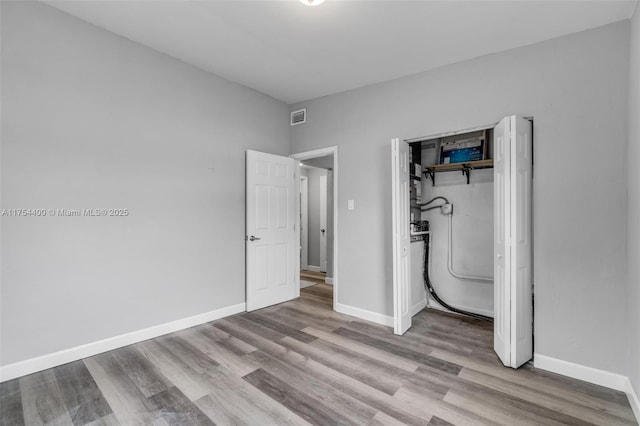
(323,152)
(430,302)
(532,188)
(304,222)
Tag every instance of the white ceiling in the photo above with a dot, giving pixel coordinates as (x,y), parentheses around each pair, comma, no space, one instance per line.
(293,52)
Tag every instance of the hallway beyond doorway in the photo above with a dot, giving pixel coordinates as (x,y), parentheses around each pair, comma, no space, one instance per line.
(309,278)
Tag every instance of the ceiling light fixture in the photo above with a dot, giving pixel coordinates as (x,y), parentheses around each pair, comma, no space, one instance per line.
(311,2)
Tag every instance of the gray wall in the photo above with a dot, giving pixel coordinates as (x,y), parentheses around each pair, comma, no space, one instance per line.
(418,292)
(92,120)
(472,241)
(325,162)
(576,88)
(633,236)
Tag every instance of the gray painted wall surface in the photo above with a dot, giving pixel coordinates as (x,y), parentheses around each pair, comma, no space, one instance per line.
(92,120)
(576,88)
(418,292)
(325,162)
(633,237)
(472,241)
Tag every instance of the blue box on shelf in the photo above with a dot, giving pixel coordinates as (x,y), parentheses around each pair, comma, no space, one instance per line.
(462,151)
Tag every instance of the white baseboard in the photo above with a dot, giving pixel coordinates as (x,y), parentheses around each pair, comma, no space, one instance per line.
(33,365)
(364,314)
(374,316)
(581,372)
(312,268)
(592,375)
(634,401)
(418,306)
(328,280)
(435,305)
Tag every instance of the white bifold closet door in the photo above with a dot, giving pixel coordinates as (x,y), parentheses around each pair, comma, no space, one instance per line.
(513,263)
(513,274)
(401,236)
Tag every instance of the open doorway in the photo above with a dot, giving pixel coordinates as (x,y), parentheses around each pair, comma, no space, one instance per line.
(316,207)
(493,220)
(318,222)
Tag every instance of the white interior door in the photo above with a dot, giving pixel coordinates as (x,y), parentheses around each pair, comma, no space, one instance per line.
(521,245)
(272,238)
(401,236)
(304,222)
(501,230)
(513,283)
(323,223)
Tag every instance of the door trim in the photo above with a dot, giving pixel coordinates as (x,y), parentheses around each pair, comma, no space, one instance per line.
(512,202)
(323,152)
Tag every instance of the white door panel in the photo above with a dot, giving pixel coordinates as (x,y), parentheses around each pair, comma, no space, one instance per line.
(272,237)
(401,236)
(501,287)
(513,285)
(521,250)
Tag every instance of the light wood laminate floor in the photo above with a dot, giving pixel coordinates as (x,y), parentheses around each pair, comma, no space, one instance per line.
(313,276)
(301,363)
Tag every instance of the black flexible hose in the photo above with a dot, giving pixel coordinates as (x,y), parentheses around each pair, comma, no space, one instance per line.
(433,199)
(432,291)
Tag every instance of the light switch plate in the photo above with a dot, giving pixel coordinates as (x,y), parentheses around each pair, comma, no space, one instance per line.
(351,205)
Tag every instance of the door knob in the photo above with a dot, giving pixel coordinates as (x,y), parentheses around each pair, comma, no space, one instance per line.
(252,238)
(499,256)
(322,230)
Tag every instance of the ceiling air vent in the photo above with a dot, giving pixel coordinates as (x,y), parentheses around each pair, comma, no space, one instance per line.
(299,117)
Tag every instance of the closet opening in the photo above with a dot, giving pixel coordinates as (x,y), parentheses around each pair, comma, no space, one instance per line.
(451,222)
(462,230)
